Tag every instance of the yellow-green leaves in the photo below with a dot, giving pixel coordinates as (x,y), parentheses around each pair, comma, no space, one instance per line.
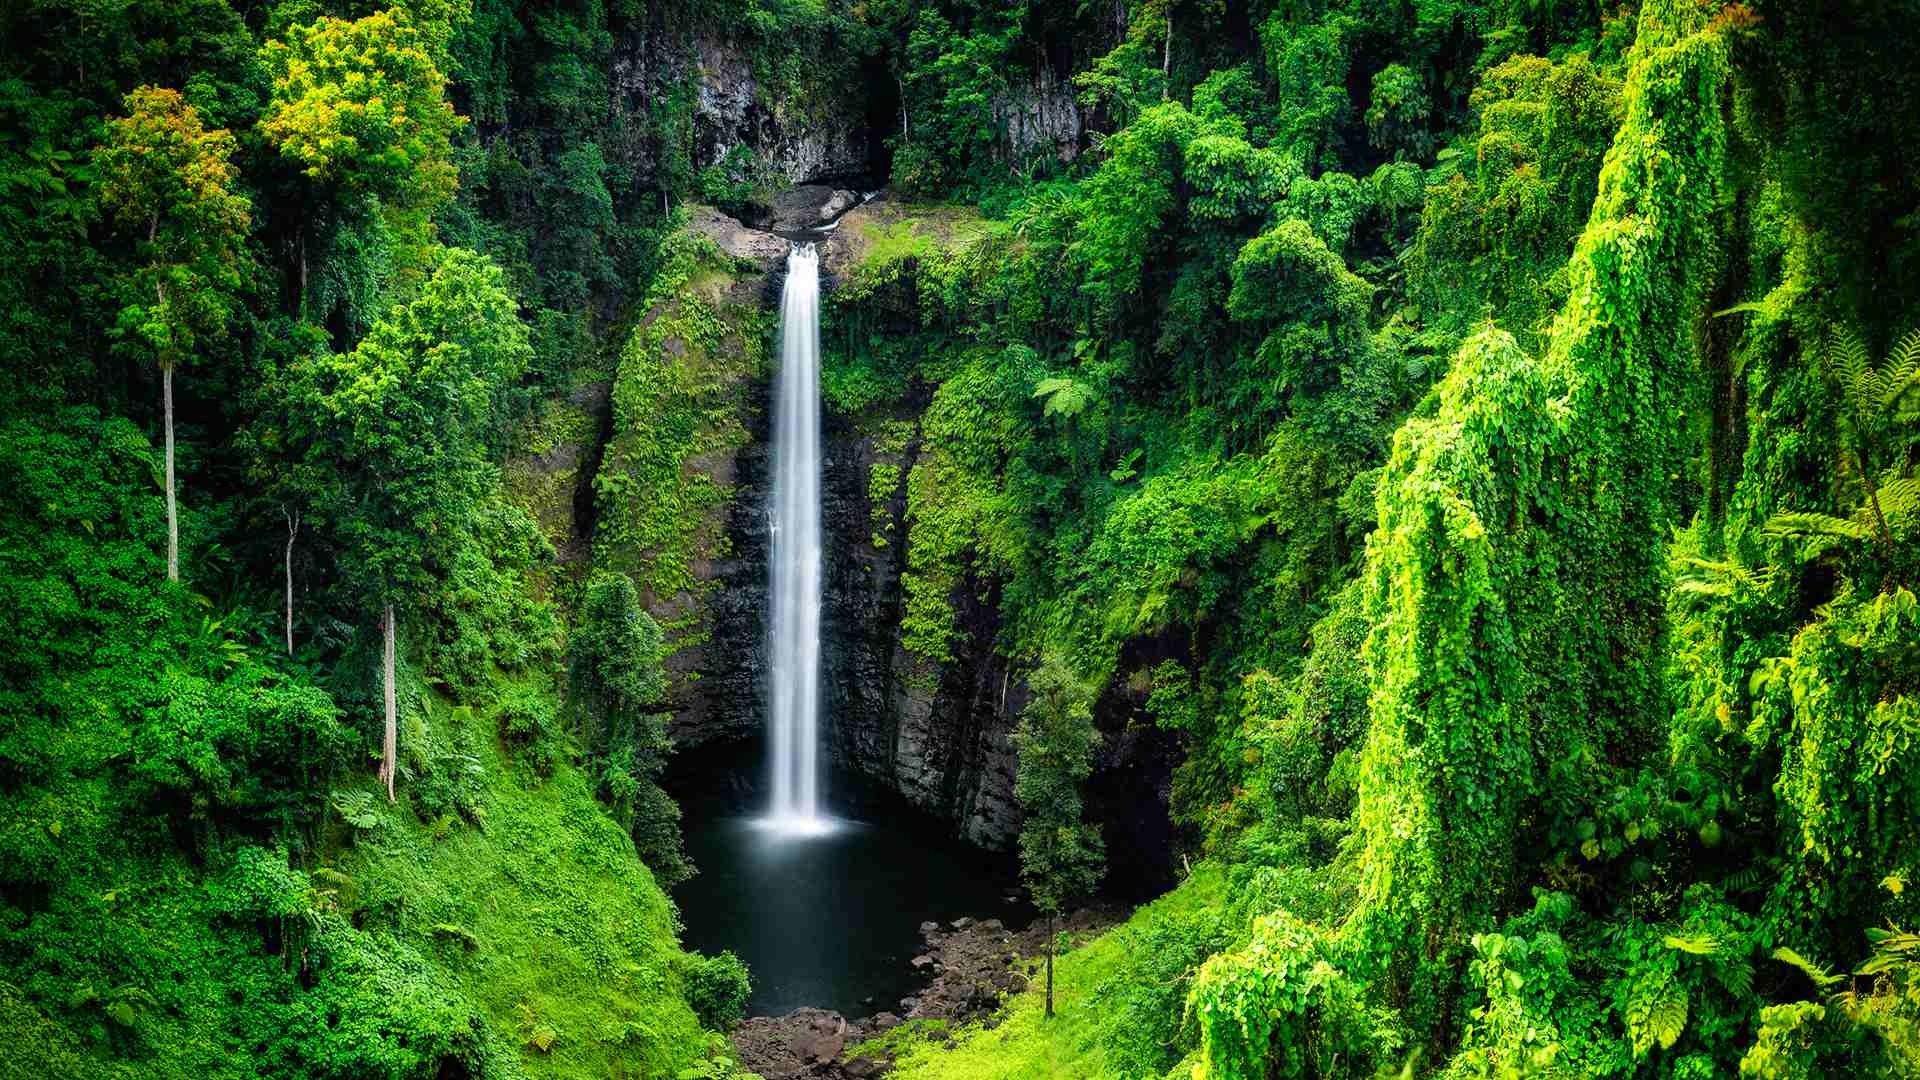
(362,104)
(168,180)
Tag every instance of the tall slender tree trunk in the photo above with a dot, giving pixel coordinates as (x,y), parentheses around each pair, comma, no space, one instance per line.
(166,409)
(173,510)
(293,530)
(389,745)
(1050,965)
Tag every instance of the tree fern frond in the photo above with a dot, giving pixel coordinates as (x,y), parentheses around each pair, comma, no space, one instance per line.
(1847,359)
(1810,523)
(1064,396)
(1899,497)
(1901,373)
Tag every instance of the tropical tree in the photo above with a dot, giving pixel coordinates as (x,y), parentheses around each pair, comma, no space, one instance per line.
(360,107)
(402,425)
(1060,854)
(619,691)
(165,175)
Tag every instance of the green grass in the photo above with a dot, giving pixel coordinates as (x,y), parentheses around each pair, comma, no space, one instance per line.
(1027,1046)
(546,919)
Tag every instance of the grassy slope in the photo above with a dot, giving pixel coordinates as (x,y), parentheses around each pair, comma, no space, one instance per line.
(569,932)
(1027,1046)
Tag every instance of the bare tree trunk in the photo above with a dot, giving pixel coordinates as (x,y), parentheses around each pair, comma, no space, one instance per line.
(293,530)
(173,511)
(389,745)
(901,85)
(1049,965)
(166,409)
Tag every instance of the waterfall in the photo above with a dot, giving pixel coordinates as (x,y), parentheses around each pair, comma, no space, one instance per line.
(793,721)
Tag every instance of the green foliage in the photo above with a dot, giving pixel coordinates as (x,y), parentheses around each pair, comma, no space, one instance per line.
(679,402)
(1533,495)
(617,689)
(405,421)
(1617,617)
(163,176)
(1059,853)
(1503,210)
(362,105)
(718,987)
(1279,1007)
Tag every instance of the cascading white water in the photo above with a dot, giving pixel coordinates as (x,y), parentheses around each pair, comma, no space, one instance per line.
(793,721)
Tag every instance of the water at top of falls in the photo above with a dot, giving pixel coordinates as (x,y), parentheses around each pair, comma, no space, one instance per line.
(793,715)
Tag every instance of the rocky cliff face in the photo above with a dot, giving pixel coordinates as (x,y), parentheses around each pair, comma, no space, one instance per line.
(757,134)
(1041,115)
(939,735)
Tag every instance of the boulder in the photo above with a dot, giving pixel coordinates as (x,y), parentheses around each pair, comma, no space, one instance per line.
(820,1040)
(809,206)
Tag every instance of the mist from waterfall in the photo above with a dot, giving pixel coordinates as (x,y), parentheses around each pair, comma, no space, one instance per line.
(793,720)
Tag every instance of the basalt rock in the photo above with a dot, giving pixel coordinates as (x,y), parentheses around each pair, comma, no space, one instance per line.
(749,131)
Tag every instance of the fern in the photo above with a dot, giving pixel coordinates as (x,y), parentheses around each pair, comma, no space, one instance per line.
(1064,396)
(1902,373)
(1656,1015)
(1847,360)
(1893,950)
(1822,978)
(1899,496)
(1812,523)
(1698,945)
(1718,580)
(357,808)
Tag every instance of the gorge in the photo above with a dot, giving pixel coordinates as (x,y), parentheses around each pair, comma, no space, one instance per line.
(959,540)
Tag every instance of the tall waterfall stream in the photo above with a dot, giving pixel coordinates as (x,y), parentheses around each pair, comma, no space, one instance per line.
(793,721)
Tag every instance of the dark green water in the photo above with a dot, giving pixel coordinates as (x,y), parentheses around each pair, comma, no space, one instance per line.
(831,920)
